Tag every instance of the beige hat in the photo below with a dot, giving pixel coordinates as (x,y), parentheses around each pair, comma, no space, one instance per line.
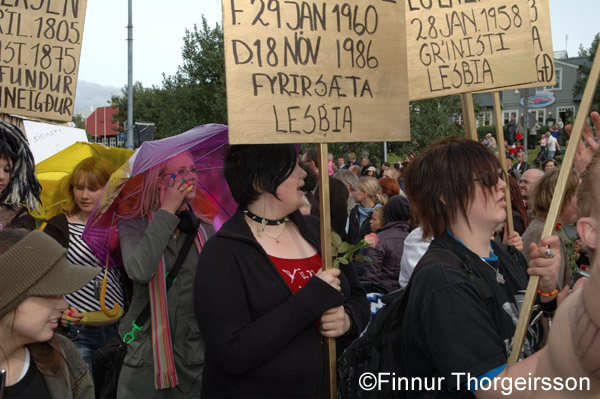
(37,266)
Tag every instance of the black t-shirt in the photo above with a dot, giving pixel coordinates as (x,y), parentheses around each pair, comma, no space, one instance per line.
(32,385)
(449,330)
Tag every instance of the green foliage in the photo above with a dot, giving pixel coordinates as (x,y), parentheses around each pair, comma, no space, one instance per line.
(430,120)
(195,95)
(78,120)
(584,73)
(197,90)
(344,252)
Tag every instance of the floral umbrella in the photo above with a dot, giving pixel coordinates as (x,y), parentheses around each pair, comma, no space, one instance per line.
(206,143)
(53,172)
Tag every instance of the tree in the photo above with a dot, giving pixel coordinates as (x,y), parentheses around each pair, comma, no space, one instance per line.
(431,120)
(195,95)
(78,120)
(584,72)
(197,90)
(147,105)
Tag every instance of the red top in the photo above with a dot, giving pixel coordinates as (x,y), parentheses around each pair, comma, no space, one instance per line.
(296,272)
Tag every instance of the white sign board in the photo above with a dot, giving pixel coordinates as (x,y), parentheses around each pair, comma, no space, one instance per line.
(46,140)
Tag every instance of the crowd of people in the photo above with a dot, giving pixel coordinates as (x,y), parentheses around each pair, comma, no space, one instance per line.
(244,310)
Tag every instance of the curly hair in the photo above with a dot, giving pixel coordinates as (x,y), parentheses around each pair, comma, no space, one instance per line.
(23,186)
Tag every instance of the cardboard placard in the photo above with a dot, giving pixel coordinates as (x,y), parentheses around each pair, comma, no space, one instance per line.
(467,46)
(300,72)
(543,52)
(40,47)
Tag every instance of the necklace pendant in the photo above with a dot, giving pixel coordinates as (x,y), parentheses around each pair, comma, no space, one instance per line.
(500,278)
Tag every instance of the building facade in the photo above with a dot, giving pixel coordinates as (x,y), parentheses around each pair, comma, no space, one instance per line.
(103,126)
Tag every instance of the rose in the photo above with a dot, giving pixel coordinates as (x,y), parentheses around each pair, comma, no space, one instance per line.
(372,240)
(348,251)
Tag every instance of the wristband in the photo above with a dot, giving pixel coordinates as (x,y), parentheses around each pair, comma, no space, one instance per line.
(548,307)
(547,294)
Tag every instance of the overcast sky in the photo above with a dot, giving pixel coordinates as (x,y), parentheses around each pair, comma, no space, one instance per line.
(159,28)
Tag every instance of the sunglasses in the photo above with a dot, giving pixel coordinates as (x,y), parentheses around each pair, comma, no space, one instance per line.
(491,179)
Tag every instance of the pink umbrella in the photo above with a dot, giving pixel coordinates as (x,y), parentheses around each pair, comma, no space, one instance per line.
(207,144)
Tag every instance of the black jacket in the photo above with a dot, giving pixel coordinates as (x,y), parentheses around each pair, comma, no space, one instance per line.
(58,228)
(357,231)
(263,341)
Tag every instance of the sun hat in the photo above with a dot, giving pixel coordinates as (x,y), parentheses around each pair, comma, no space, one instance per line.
(372,169)
(37,266)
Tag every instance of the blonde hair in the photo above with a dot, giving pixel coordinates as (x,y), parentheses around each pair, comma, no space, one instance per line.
(149,199)
(96,172)
(543,191)
(371,186)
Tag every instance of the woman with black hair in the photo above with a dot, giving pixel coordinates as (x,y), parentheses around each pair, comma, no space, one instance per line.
(19,187)
(261,299)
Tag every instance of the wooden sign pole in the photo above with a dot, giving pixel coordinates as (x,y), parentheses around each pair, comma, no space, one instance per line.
(326,256)
(555,205)
(468,111)
(502,154)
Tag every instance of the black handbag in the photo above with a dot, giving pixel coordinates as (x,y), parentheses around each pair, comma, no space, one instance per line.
(107,360)
(106,363)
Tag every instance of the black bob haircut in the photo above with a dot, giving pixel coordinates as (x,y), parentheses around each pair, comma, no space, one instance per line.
(252,169)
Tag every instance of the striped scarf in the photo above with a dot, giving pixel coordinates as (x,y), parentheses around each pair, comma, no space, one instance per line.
(162,348)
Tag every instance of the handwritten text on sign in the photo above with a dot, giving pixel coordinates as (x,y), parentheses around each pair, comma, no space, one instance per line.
(40,44)
(302,71)
(469,45)
(541,37)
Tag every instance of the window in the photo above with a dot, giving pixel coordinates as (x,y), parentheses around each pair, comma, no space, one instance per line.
(113,142)
(506,115)
(485,118)
(540,115)
(558,85)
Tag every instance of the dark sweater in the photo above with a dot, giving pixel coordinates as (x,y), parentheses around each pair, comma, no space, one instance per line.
(384,268)
(262,340)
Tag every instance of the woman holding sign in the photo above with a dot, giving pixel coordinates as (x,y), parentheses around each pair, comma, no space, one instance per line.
(462,311)
(261,299)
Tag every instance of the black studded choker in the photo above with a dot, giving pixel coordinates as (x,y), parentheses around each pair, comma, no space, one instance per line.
(265,222)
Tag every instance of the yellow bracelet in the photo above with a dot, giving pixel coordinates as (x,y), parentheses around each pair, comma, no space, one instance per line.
(548,293)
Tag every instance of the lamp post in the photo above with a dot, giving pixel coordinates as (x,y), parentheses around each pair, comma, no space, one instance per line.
(130,78)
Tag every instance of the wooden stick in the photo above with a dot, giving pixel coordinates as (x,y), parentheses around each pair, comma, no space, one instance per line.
(555,205)
(326,256)
(468,112)
(502,153)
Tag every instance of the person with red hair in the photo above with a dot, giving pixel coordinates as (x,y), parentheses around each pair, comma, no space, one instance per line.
(387,188)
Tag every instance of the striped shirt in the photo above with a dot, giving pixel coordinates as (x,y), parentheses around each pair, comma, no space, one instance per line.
(87,298)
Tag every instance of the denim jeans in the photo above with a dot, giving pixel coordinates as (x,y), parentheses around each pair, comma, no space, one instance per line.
(89,338)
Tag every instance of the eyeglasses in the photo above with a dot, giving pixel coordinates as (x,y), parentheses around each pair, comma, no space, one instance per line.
(491,179)
(183,172)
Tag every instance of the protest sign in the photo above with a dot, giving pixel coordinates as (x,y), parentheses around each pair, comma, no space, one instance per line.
(315,72)
(39,57)
(468,46)
(46,140)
